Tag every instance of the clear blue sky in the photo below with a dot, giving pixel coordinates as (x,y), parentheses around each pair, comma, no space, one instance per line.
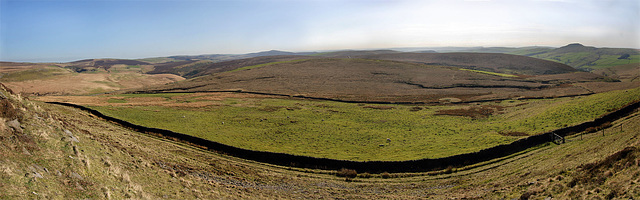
(55,30)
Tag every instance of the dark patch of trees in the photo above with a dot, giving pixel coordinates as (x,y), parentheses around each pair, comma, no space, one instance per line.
(624,56)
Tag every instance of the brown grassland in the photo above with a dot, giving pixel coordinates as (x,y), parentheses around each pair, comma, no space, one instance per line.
(391,81)
(49,79)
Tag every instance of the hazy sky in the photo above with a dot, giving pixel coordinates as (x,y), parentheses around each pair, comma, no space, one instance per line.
(55,30)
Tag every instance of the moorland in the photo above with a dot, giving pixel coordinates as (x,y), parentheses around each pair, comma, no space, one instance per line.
(347,105)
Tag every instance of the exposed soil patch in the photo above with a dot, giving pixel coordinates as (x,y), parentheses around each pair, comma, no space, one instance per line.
(475,112)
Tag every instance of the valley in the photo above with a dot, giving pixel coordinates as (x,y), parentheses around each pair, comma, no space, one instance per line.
(386,109)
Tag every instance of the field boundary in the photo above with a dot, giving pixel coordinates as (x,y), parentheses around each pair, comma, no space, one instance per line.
(421,165)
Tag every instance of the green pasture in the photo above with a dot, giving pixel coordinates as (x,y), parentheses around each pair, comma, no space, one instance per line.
(588,60)
(359,132)
(610,61)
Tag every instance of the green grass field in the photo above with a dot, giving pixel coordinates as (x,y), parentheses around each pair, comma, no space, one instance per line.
(358,131)
(590,61)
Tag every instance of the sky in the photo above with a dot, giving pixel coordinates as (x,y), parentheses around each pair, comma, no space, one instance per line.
(68,30)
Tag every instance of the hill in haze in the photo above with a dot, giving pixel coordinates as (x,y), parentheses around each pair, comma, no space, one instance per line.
(575,55)
(227,57)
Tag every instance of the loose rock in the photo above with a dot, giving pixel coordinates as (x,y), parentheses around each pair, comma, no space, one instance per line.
(15,125)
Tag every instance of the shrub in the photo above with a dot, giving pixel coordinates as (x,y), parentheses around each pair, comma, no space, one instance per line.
(449,170)
(605,125)
(350,173)
(364,175)
(385,175)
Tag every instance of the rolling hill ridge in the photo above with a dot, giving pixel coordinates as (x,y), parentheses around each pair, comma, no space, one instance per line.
(358,79)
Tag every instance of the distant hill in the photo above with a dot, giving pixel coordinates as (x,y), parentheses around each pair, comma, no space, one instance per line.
(350,53)
(575,55)
(227,57)
(358,79)
(425,51)
(502,63)
(191,69)
(494,59)
(104,64)
(585,57)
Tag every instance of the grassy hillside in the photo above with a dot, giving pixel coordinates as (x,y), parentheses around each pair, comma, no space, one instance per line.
(63,153)
(348,131)
(32,74)
(628,72)
(192,69)
(502,63)
(68,79)
(587,58)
